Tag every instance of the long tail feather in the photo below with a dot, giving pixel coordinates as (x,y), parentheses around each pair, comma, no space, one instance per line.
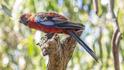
(85,46)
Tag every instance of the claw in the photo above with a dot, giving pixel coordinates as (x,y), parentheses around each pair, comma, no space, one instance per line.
(45,39)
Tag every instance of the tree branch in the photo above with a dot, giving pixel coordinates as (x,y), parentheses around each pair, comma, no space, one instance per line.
(116,37)
(115,49)
(95,5)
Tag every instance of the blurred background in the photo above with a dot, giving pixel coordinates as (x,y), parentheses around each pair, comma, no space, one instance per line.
(18,49)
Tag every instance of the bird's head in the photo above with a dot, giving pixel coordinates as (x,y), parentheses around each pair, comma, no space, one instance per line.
(24,18)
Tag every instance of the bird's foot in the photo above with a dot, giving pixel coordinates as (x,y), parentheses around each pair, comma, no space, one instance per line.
(46,38)
(42,41)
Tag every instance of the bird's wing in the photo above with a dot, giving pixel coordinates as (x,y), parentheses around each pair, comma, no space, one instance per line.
(51,16)
(56,20)
(69,25)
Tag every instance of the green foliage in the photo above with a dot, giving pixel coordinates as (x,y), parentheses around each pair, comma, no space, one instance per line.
(18,49)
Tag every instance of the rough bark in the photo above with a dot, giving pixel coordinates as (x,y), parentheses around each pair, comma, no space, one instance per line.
(59,52)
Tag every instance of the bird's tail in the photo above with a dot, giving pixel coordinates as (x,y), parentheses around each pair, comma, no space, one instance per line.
(85,46)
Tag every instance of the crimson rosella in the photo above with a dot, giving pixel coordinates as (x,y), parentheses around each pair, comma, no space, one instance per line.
(52,23)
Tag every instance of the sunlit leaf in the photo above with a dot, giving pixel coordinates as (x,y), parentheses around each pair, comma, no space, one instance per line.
(100,9)
(1,2)
(121,20)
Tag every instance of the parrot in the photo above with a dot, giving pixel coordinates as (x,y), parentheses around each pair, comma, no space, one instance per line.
(54,23)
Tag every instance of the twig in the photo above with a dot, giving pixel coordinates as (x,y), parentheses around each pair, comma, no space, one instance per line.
(116,37)
(95,5)
(100,44)
(115,49)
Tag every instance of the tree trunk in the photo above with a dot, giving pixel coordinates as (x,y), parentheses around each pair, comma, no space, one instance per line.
(59,52)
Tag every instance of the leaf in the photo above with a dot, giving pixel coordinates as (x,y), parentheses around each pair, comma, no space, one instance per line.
(5,10)
(1,2)
(120,18)
(100,10)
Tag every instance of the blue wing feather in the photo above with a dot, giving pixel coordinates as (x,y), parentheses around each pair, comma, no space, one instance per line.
(40,20)
(51,22)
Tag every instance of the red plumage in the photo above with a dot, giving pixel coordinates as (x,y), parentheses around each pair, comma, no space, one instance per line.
(54,16)
(32,24)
